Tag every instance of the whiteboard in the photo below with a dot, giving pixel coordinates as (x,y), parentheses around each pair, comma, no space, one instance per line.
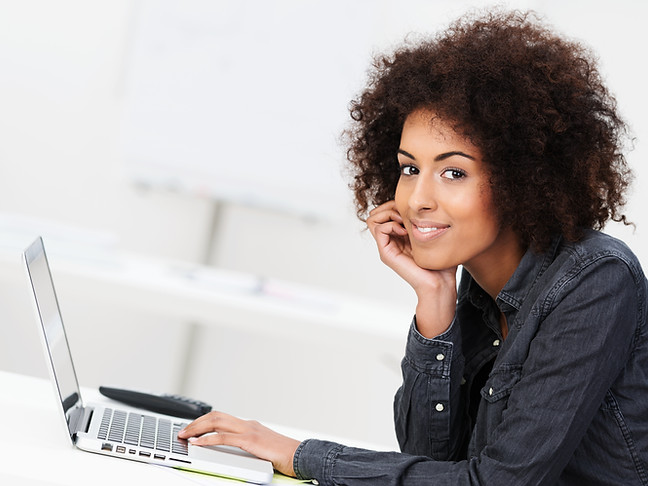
(243,100)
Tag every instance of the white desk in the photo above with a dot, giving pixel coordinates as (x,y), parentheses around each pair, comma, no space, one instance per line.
(34,450)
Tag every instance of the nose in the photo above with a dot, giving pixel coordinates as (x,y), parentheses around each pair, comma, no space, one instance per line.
(422,197)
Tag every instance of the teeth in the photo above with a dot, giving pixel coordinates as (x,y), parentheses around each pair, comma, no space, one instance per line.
(426,230)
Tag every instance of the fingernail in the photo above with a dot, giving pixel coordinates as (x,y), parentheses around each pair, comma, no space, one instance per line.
(192,439)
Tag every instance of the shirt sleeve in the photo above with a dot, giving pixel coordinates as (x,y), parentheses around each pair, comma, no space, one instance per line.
(427,407)
(580,348)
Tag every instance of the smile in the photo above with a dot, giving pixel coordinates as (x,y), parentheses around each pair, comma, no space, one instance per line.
(427,233)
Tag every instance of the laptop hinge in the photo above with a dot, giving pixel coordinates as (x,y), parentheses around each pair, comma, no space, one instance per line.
(79,420)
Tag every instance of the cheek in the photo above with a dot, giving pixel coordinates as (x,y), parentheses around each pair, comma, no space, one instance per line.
(487,215)
(401,198)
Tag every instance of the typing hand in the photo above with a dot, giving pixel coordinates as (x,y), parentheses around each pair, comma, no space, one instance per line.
(248,435)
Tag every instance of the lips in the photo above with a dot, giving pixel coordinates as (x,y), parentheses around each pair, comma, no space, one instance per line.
(423,231)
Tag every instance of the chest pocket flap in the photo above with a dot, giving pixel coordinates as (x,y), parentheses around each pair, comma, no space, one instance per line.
(500,382)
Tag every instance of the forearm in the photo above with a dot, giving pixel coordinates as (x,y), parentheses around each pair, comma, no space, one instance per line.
(435,309)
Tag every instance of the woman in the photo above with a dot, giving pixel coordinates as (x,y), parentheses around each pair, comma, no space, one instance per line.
(494,146)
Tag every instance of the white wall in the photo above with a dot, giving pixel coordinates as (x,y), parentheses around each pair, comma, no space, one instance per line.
(62,102)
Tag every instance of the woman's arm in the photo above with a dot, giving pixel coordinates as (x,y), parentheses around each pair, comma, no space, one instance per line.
(427,407)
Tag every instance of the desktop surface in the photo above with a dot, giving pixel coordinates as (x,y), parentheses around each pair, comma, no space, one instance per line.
(35,450)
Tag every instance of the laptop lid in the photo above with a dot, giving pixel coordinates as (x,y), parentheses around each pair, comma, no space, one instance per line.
(54,338)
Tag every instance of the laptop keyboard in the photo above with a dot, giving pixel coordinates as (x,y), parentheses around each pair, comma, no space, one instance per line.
(146,431)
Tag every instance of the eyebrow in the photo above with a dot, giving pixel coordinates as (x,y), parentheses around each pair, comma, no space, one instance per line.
(439,157)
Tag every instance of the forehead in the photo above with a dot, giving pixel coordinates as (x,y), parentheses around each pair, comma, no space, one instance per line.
(424,129)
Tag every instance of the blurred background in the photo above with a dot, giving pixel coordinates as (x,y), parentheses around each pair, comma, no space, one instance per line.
(182,161)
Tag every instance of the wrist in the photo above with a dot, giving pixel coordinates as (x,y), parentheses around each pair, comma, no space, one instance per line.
(434,318)
(431,329)
(285,449)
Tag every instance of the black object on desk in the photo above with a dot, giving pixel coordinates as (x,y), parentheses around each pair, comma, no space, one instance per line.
(174,405)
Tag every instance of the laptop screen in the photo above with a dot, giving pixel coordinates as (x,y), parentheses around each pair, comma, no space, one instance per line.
(53,331)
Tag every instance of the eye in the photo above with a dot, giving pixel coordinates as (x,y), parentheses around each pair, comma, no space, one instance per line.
(453,174)
(408,170)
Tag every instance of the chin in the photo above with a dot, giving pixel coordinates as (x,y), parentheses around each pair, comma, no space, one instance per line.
(428,262)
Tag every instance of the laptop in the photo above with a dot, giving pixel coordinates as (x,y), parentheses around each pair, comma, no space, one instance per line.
(122,432)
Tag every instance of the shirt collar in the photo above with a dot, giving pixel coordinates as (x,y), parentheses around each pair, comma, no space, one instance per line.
(510,298)
(531,267)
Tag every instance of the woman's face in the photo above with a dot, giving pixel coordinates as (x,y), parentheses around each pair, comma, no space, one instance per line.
(444,198)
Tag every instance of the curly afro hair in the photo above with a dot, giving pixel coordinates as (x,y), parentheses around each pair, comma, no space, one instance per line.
(532,101)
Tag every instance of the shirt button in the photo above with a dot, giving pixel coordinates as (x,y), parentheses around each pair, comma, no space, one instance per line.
(496,342)
(439,407)
(463,380)
(490,391)
(440,357)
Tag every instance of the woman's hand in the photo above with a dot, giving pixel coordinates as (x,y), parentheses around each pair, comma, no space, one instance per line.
(386,226)
(248,435)
(436,289)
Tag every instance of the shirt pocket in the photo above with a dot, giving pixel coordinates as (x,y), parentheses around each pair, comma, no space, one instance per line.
(495,395)
(500,382)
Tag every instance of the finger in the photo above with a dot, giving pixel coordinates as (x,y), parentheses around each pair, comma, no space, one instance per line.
(211,439)
(242,440)
(384,217)
(197,427)
(387,207)
(386,230)
(384,206)
(223,438)
(211,422)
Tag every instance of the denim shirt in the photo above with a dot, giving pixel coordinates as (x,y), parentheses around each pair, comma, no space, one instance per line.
(563,400)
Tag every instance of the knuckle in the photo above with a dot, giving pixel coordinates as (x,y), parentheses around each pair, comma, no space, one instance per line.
(214,418)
